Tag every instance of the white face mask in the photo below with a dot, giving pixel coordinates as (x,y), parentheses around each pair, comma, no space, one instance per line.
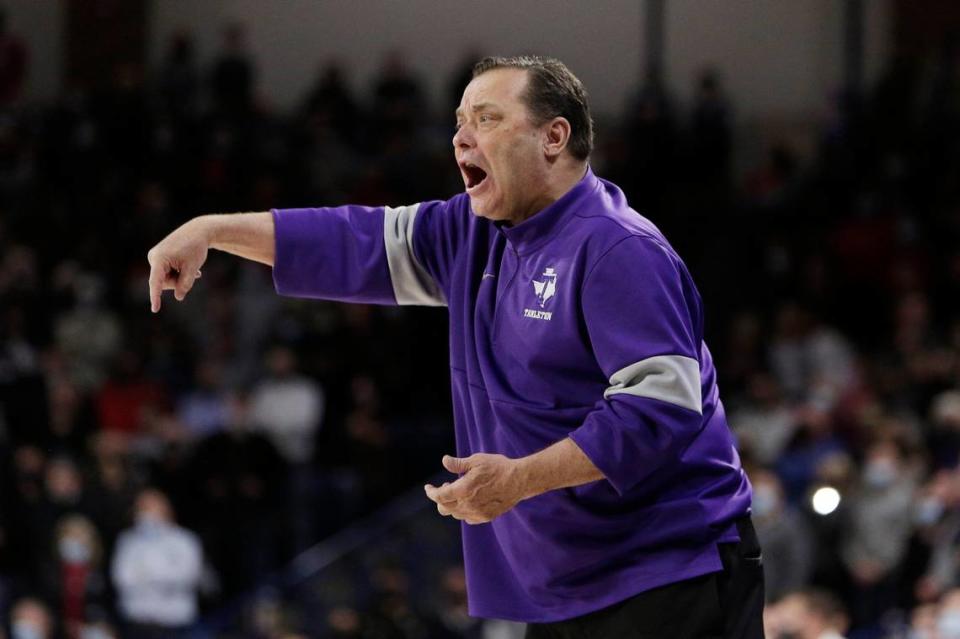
(25,630)
(93,632)
(149,519)
(74,551)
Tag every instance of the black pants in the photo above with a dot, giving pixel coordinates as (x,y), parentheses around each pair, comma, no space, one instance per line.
(721,605)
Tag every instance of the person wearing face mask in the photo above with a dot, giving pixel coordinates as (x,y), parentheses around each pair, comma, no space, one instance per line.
(808,614)
(75,579)
(879,528)
(156,569)
(783,534)
(923,622)
(948,616)
(30,619)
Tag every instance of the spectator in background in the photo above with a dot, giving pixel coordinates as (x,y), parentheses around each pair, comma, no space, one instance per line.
(157,569)
(331,99)
(14,59)
(879,529)
(344,623)
(65,489)
(945,434)
(711,129)
(239,480)
(923,622)
(937,517)
(763,422)
(398,99)
(75,581)
(31,619)
(327,158)
(394,612)
(813,362)
(113,487)
(809,614)
(452,618)
(90,334)
(123,400)
(784,536)
(179,82)
(70,414)
(231,82)
(23,388)
(648,163)
(288,408)
(368,447)
(948,616)
(203,409)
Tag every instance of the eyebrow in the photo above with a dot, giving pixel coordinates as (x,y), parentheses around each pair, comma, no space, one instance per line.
(476,107)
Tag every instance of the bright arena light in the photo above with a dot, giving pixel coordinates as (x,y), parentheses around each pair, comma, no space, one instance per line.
(825,500)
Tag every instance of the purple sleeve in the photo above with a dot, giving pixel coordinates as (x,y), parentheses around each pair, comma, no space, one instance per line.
(643,317)
(440,231)
(334,253)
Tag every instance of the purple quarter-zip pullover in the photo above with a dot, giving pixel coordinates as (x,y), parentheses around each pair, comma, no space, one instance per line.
(579,322)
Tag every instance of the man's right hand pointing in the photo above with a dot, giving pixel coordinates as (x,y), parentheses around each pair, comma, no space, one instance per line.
(175,262)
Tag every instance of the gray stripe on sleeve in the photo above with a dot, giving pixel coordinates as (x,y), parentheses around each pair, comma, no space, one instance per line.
(670,378)
(412,285)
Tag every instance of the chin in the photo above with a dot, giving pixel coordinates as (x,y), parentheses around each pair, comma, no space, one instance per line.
(482,210)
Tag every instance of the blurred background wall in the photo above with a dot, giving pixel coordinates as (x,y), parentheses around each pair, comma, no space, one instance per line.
(777,58)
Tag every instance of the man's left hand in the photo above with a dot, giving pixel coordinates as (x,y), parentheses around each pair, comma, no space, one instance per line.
(490,485)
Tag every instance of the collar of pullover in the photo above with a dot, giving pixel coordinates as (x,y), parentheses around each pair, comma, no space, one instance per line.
(539,228)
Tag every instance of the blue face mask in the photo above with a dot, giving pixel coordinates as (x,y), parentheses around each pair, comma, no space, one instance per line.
(25,630)
(764,500)
(880,474)
(929,511)
(74,551)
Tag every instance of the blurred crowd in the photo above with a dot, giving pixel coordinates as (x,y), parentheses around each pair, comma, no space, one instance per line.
(157,467)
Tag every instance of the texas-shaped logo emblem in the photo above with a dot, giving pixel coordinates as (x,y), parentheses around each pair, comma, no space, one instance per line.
(546,288)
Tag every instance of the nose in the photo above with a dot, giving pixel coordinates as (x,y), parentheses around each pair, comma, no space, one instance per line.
(463,138)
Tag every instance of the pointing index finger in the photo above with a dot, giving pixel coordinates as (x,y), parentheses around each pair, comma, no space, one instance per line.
(156,286)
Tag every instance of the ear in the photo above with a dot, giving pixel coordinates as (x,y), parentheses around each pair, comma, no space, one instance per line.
(556,136)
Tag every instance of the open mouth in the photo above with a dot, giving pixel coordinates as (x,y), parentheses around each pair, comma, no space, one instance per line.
(473,175)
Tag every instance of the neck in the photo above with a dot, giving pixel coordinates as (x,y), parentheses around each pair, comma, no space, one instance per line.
(561,177)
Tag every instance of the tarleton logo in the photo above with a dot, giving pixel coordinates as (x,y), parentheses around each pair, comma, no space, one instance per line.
(545,289)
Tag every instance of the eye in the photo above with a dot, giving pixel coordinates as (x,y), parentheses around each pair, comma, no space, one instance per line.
(485,117)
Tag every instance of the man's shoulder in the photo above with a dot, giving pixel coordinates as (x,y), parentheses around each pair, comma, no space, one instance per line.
(607,220)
